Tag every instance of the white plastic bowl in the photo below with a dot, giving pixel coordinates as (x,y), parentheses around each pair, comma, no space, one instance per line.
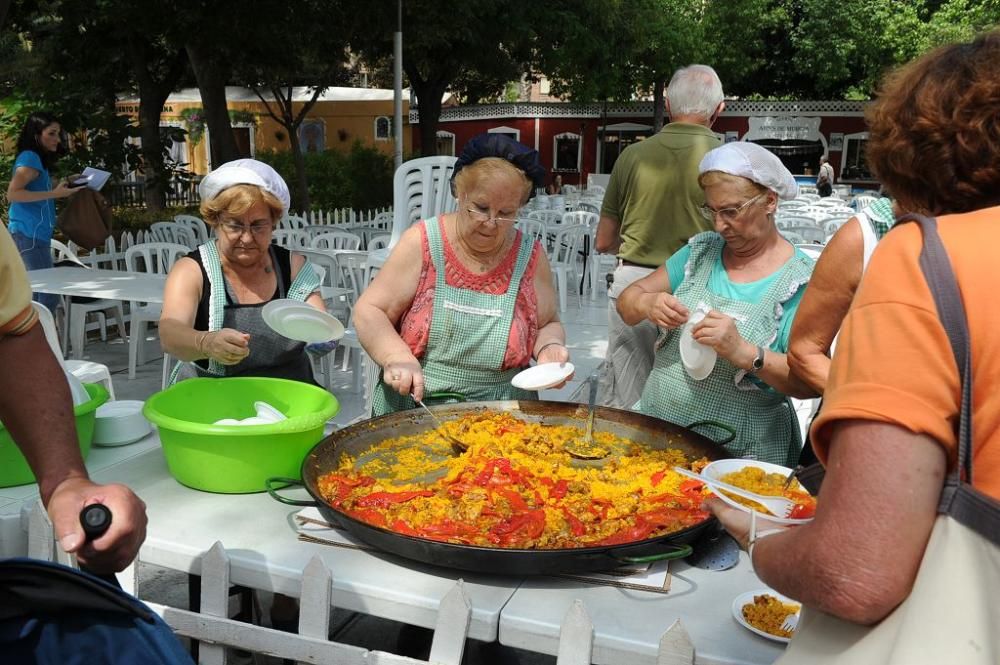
(719,468)
(120,422)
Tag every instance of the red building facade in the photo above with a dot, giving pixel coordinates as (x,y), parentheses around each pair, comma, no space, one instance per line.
(577,140)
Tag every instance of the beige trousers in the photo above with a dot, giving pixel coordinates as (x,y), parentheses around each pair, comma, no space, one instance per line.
(630,352)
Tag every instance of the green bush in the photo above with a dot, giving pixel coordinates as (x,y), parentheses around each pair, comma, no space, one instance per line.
(359,179)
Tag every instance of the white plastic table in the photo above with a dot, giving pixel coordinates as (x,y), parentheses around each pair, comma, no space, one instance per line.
(98,283)
(629,624)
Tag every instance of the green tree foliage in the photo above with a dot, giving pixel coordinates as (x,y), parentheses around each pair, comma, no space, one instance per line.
(473,47)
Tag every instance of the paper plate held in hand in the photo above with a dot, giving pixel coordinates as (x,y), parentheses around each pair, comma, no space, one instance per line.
(542,376)
(698,359)
(302,322)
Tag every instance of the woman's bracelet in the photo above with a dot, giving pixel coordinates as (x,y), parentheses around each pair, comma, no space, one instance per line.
(199,344)
(545,346)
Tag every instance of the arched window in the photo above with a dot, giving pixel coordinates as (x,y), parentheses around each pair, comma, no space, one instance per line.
(445,144)
(383,128)
(566,148)
(509,131)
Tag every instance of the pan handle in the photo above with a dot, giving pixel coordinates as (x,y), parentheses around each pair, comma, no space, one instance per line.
(716,423)
(678,552)
(445,395)
(285,484)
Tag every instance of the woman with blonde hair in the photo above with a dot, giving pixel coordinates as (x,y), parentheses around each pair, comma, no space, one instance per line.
(465,300)
(212,305)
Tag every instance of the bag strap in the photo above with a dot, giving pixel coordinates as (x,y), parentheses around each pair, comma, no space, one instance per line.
(959,499)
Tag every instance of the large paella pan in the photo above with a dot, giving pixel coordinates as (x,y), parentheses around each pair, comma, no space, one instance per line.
(327,475)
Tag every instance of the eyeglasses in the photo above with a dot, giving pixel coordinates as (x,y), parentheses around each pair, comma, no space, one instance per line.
(480,217)
(236,229)
(727,214)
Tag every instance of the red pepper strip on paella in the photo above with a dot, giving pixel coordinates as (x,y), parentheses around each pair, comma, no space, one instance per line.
(386,499)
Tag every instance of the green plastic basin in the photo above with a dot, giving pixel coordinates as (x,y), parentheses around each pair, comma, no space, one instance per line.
(237,459)
(14,469)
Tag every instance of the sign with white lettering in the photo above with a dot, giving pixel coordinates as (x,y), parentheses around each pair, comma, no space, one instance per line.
(784,128)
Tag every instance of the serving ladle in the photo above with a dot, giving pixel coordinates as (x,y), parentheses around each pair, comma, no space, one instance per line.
(458,446)
(585,448)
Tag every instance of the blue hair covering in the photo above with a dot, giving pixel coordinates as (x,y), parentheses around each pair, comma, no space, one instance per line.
(504,147)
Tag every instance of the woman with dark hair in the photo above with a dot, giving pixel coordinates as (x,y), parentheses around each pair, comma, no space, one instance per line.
(465,300)
(32,198)
(902,561)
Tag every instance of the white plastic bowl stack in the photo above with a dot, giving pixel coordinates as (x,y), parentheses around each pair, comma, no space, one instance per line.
(119,423)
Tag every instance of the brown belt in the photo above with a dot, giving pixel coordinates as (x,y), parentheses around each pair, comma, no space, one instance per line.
(626,262)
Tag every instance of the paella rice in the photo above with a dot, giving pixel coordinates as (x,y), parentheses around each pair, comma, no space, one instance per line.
(516,487)
(759,481)
(768,613)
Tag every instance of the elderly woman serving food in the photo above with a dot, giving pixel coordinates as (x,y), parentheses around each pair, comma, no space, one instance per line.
(214,296)
(746,280)
(465,301)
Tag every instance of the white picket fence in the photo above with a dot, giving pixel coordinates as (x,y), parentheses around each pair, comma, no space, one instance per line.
(213,628)
(345,216)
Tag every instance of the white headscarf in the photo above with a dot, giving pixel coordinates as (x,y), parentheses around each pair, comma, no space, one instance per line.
(245,172)
(752,162)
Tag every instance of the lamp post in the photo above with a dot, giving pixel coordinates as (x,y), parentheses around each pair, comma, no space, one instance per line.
(397,82)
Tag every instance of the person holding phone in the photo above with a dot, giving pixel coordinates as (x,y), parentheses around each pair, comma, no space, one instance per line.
(32,198)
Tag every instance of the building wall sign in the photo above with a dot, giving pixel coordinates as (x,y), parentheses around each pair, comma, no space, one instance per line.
(784,128)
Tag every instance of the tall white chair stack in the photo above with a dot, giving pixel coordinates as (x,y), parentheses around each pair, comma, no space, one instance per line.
(563,258)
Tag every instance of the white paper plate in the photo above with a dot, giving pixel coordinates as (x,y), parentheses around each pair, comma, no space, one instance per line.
(542,376)
(747,598)
(268,412)
(721,467)
(698,359)
(302,322)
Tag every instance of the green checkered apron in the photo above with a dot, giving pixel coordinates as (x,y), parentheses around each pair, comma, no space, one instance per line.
(468,337)
(764,420)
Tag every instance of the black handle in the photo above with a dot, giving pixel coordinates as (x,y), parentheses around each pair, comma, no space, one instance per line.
(95,520)
(716,423)
(285,484)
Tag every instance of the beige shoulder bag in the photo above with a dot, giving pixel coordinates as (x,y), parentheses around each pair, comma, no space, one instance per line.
(952,615)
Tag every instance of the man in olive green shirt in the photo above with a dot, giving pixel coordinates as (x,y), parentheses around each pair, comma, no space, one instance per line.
(650,210)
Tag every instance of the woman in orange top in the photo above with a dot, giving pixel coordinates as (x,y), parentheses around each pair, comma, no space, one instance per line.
(887,430)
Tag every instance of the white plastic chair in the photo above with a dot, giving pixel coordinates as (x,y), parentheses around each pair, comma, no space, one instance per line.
(862,201)
(600,265)
(336,240)
(589,206)
(379,241)
(158,258)
(290,238)
(173,232)
(588,219)
(533,228)
(831,226)
(807,233)
(290,221)
(85,370)
(563,258)
(195,225)
(793,237)
(75,330)
(546,217)
(595,191)
(570,189)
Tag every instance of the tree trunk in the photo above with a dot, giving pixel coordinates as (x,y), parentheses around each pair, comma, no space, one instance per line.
(429,105)
(658,105)
(154,176)
(212,78)
(301,200)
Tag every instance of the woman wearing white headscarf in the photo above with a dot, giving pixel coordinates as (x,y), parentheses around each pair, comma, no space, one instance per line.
(212,305)
(747,280)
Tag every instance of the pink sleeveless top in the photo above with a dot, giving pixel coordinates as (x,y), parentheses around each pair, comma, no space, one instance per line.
(415,324)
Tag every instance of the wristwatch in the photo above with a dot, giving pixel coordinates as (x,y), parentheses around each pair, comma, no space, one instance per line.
(758,362)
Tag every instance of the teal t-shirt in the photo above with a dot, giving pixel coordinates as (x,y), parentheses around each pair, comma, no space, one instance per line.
(38,218)
(720,284)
